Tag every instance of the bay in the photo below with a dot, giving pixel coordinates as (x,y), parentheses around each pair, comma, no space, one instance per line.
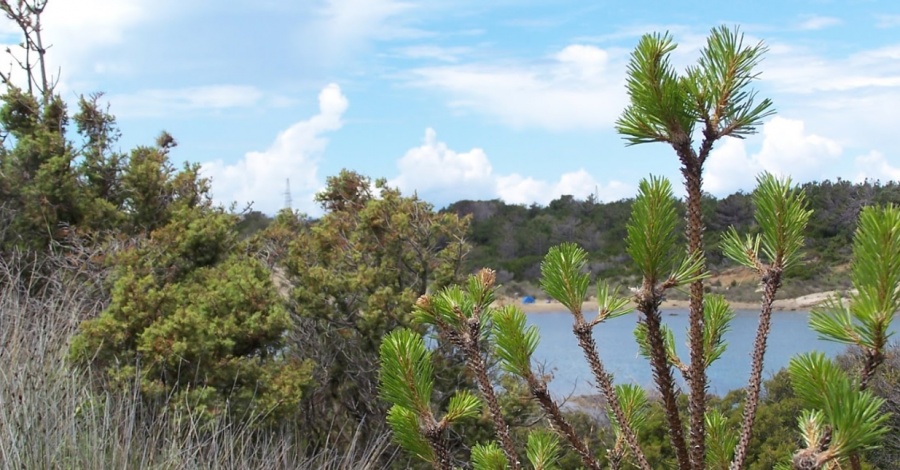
(558,349)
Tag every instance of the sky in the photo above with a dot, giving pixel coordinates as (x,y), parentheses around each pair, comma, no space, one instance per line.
(468,99)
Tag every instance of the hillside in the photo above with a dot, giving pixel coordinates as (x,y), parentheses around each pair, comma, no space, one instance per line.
(514,238)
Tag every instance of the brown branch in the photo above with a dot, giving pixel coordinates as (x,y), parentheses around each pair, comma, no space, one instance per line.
(814,458)
(692,169)
(27,17)
(874,358)
(469,342)
(772,281)
(469,345)
(539,392)
(585,336)
(434,434)
(648,303)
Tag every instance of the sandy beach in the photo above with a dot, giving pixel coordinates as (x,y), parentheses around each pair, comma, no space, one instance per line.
(803,303)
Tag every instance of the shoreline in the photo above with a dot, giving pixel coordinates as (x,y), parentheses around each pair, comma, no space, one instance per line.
(803,303)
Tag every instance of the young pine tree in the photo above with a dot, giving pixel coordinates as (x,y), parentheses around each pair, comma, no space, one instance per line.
(712,100)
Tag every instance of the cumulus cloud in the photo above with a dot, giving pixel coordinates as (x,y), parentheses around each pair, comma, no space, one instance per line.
(435,169)
(579,87)
(874,166)
(516,189)
(786,150)
(442,175)
(729,168)
(294,154)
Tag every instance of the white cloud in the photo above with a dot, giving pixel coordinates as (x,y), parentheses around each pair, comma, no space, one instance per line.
(729,168)
(159,102)
(79,31)
(855,97)
(442,175)
(260,176)
(583,62)
(357,19)
(798,71)
(577,88)
(786,150)
(516,189)
(789,150)
(817,22)
(874,166)
(344,27)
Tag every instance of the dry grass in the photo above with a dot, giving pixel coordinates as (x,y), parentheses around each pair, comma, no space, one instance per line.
(53,416)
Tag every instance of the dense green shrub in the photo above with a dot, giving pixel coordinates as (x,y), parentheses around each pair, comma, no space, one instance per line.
(194,320)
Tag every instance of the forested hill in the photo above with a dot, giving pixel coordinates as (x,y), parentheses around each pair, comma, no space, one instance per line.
(514,238)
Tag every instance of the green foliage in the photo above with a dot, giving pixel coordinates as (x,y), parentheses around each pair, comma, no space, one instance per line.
(835,403)
(405,425)
(56,187)
(659,106)
(719,84)
(665,107)
(406,371)
(636,409)
(514,342)
(782,215)
(717,317)
(610,304)
(640,336)
(875,275)
(498,233)
(633,400)
(37,177)
(775,436)
(542,450)
(562,277)
(721,441)
(488,457)
(651,231)
(463,404)
(406,381)
(652,237)
(353,276)
(192,320)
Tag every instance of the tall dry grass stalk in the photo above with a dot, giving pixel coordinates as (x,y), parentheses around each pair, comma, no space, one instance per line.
(54,416)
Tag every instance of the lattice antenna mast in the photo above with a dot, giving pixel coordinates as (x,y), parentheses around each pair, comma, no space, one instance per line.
(288,202)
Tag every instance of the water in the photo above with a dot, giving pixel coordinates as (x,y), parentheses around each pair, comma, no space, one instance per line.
(558,349)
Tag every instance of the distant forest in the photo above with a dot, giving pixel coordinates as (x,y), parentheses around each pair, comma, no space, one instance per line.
(513,239)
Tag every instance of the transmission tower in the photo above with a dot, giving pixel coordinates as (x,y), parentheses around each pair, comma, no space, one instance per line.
(287,195)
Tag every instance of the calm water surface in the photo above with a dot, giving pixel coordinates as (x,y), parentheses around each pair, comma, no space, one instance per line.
(790,335)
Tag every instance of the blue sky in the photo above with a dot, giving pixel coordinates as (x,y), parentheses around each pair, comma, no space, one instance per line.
(466,99)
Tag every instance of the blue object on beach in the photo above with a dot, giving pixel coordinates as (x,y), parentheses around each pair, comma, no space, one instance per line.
(528,299)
